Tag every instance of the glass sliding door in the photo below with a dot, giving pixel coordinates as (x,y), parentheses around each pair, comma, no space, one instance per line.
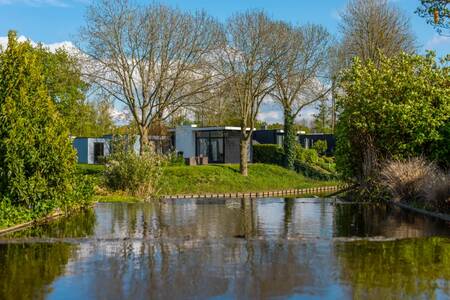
(210,144)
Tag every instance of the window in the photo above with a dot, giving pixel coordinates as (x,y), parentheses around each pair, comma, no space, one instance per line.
(99,152)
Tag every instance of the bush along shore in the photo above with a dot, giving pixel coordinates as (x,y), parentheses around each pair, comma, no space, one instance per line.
(393,132)
(37,161)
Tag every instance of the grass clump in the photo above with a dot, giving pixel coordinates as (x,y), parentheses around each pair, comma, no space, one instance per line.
(418,182)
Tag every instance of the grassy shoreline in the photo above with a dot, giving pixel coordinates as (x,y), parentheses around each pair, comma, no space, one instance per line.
(216,178)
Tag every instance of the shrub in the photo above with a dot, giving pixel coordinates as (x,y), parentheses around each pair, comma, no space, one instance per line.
(136,174)
(306,155)
(37,161)
(268,153)
(320,146)
(394,109)
(175,159)
(418,181)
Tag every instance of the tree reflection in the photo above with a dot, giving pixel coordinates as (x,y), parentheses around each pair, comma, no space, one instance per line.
(81,224)
(28,269)
(412,268)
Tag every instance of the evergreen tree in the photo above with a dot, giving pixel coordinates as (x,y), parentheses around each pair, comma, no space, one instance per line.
(37,161)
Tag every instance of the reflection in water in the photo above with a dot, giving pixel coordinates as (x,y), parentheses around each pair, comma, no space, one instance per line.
(27,270)
(410,268)
(231,248)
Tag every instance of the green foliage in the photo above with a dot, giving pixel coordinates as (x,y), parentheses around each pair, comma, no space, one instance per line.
(290,141)
(440,150)
(268,153)
(306,161)
(306,155)
(175,160)
(136,174)
(393,110)
(62,77)
(320,146)
(37,161)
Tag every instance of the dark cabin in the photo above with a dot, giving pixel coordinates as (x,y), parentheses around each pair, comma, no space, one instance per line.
(308,140)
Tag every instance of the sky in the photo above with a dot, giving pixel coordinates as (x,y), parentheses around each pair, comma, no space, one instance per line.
(57,21)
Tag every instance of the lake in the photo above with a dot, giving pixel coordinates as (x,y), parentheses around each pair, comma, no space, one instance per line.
(295,248)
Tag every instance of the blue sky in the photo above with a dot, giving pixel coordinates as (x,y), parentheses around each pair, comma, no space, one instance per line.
(51,21)
(55,21)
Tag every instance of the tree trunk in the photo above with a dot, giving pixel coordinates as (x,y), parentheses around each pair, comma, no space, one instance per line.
(289,139)
(143,139)
(243,164)
(333,106)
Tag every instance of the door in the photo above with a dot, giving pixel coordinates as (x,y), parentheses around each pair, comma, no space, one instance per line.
(99,152)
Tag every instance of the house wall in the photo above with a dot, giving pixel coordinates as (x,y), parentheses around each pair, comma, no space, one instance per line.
(90,149)
(81,146)
(185,140)
(264,136)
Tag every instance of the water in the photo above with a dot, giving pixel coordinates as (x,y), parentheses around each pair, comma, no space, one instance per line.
(252,249)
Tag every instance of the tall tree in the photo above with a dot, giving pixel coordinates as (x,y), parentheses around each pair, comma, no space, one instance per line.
(246,62)
(371,28)
(65,85)
(153,58)
(37,161)
(295,76)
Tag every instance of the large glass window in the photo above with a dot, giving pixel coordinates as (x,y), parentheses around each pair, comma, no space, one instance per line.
(202,146)
(211,144)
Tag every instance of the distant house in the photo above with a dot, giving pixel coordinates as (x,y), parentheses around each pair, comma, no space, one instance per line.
(270,136)
(90,150)
(219,144)
(308,140)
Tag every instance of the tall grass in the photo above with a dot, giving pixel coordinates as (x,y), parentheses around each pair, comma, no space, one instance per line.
(418,181)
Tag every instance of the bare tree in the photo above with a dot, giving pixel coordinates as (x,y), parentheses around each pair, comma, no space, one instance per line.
(246,62)
(336,63)
(152,58)
(296,76)
(374,27)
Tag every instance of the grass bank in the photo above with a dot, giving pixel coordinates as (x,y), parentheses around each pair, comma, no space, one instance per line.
(216,178)
(224,178)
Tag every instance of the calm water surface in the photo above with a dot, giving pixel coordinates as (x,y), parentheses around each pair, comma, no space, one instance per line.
(221,249)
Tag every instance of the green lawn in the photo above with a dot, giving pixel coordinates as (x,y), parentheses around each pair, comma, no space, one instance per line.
(216,178)
(226,178)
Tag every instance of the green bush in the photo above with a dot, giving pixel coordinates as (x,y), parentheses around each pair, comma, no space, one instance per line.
(391,110)
(306,155)
(136,174)
(268,153)
(37,160)
(175,160)
(320,146)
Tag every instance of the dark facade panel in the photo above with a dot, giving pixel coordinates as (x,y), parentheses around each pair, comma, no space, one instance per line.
(308,140)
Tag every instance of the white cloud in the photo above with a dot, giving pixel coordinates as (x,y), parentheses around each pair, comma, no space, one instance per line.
(438,41)
(67,45)
(120,117)
(274,116)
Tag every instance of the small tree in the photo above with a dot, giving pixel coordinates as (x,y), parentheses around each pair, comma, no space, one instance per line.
(320,146)
(37,161)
